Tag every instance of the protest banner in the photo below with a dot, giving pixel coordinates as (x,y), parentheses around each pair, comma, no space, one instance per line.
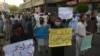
(86,42)
(24,48)
(41,32)
(60,37)
(65,12)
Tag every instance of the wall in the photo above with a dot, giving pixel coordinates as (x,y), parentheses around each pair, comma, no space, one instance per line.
(55,1)
(37,2)
(27,0)
(1,6)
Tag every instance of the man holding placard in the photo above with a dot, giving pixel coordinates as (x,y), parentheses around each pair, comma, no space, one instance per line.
(20,43)
(19,34)
(81,36)
(80,33)
(23,48)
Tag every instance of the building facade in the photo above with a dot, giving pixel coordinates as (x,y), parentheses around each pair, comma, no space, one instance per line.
(45,5)
(4,7)
(52,5)
(1,6)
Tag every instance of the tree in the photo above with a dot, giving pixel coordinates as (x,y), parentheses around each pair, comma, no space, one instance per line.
(82,8)
(13,8)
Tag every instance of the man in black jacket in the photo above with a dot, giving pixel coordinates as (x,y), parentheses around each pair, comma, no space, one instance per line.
(18,34)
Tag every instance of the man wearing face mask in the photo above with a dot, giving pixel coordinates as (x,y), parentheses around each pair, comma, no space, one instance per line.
(57,51)
(18,34)
(58,22)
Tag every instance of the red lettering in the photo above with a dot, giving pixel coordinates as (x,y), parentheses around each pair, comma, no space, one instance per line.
(13,54)
(29,54)
(16,48)
(29,45)
(20,54)
(23,47)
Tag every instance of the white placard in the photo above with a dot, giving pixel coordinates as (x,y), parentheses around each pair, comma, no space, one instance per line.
(65,12)
(24,48)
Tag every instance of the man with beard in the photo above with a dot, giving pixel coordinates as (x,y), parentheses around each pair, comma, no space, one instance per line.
(92,23)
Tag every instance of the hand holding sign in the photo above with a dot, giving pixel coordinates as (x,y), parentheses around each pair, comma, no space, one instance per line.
(60,37)
(24,48)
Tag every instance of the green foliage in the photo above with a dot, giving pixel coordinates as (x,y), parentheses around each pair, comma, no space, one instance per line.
(13,8)
(82,8)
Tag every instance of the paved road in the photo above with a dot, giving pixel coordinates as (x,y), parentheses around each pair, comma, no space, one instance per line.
(70,51)
(94,51)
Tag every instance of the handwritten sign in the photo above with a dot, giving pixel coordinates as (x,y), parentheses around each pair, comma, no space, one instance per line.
(60,37)
(86,42)
(24,48)
(65,12)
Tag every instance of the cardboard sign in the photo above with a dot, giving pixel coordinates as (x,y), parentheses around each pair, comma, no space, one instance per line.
(24,48)
(60,37)
(86,42)
(65,12)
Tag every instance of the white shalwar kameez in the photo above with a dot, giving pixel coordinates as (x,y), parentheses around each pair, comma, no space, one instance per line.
(81,29)
(98,24)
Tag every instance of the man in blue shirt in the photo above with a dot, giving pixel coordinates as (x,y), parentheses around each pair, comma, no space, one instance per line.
(73,24)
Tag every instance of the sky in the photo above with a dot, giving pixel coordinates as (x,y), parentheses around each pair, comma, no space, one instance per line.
(13,2)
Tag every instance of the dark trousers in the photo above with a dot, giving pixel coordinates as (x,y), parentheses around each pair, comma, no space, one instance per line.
(57,51)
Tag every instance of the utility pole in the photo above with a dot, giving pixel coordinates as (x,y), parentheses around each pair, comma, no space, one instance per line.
(4,4)
(45,5)
(31,3)
(31,6)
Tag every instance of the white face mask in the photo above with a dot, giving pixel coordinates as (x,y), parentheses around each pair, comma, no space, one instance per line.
(49,13)
(57,23)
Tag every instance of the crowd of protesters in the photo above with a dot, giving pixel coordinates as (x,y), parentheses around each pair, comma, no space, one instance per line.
(19,27)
